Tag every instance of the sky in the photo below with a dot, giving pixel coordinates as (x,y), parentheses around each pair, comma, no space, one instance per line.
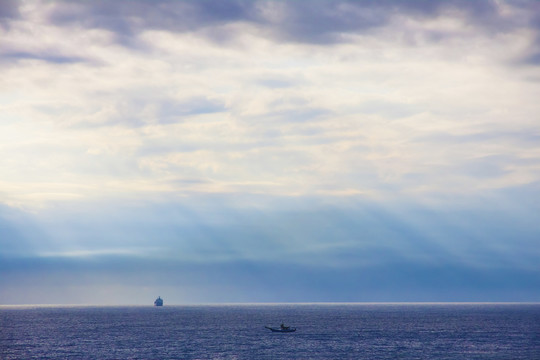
(269,151)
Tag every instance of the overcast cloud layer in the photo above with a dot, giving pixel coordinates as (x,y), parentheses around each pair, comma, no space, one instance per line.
(269,151)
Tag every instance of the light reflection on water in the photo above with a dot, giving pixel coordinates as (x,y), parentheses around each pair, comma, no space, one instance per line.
(324,331)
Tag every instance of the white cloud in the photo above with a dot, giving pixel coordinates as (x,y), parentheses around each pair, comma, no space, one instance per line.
(365,135)
(83,112)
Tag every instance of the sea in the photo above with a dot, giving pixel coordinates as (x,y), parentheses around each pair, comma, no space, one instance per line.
(237,331)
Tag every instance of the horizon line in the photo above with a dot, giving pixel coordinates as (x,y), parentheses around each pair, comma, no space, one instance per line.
(284,303)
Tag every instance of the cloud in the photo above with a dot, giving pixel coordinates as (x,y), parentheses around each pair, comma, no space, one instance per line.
(388,109)
(232,136)
(20,233)
(9,10)
(267,248)
(316,22)
(87,281)
(139,110)
(532,59)
(52,58)
(126,19)
(338,233)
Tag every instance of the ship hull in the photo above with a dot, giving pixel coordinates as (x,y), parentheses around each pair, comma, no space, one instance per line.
(281,330)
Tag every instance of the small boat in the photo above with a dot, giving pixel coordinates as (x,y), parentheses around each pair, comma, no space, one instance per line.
(282,328)
(158,302)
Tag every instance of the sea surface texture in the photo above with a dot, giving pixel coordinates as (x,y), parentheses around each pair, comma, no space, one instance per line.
(331,331)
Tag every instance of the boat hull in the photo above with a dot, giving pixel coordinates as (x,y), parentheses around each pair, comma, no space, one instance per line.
(281,330)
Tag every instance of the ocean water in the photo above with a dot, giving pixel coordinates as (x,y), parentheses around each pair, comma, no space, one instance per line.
(327,331)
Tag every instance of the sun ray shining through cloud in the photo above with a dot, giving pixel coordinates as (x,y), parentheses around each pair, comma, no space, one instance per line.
(355,145)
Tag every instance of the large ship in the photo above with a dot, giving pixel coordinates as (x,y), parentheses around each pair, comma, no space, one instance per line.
(158,302)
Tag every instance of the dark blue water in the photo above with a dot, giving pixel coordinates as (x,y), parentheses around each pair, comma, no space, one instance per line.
(357,331)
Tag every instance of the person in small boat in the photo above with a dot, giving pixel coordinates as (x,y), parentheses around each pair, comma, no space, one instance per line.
(283,327)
